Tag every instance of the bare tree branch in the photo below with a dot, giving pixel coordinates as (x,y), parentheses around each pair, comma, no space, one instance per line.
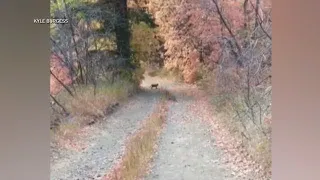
(65,87)
(60,105)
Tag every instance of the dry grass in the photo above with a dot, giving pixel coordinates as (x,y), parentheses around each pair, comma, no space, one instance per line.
(87,107)
(255,137)
(256,146)
(66,133)
(69,136)
(255,143)
(233,114)
(141,146)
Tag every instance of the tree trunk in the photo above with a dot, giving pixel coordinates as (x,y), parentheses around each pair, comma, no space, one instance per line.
(122,29)
(80,68)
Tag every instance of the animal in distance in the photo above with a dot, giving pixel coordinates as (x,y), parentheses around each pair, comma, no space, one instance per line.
(154,86)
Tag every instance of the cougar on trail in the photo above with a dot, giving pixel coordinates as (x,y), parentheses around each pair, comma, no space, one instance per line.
(154,85)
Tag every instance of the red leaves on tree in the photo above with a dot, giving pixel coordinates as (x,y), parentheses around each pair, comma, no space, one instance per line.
(61,72)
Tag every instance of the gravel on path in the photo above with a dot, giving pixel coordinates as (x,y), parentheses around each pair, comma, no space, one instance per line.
(106,145)
(186,148)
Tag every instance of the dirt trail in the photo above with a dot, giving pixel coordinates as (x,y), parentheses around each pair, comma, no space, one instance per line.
(186,148)
(106,144)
